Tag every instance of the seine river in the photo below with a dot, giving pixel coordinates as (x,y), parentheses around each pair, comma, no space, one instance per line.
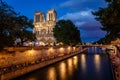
(85,66)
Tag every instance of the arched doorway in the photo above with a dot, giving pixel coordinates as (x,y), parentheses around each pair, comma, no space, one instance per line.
(42,41)
(50,41)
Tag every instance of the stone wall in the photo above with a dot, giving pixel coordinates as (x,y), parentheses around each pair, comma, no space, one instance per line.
(19,63)
(115,60)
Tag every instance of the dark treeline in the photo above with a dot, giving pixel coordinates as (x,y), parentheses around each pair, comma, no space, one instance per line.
(13,26)
(66,32)
(109,17)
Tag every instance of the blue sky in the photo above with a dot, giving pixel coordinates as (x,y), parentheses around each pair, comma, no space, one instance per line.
(79,11)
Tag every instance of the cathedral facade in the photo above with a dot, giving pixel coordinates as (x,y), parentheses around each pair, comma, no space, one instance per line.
(43,27)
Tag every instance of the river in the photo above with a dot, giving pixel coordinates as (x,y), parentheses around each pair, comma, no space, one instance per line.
(85,66)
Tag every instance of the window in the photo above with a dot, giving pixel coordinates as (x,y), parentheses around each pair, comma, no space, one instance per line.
(37,18)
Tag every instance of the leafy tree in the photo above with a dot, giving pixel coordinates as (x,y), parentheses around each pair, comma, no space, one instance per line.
(66,32)
(13,26)
(109,17)
(7,21)
(21,29)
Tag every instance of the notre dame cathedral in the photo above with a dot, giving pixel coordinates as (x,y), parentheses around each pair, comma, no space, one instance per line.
(43,27)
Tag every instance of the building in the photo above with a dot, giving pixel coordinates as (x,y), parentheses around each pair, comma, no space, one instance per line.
(43,27)
(116,42)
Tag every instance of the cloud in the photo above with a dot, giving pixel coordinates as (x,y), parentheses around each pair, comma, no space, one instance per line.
(78,15)
(70,3)
(82,4)
(84,20)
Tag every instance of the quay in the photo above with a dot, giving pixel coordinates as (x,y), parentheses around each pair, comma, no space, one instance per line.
(15,62)
(114,55)
(30,60)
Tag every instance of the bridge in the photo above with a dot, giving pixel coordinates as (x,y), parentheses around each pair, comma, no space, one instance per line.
(96,48)
(95,45)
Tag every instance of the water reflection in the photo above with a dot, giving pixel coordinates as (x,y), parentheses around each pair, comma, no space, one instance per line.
(83,62)
(97,62)
(75,60)
(70,66)
(51,75)
(81,67)
(62,71)
(29,78)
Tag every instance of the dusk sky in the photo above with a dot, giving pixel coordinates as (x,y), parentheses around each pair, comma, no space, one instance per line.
(79,11)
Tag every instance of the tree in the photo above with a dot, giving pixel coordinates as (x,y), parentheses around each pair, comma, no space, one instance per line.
(21,29)
(13,26)
(7,21)
(66,32)
(109,17)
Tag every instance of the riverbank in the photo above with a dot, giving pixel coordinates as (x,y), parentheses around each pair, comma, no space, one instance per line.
(15,70)
(83,66)
(115,60)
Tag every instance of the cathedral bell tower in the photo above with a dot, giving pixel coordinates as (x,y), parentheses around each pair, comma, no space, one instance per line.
(44,28)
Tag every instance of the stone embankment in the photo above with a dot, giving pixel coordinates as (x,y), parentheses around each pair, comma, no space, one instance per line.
(115,60)
(22,61)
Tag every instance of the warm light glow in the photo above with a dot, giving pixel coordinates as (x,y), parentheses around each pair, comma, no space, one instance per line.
(69,48)
(75,59)
(30,43)
(61,50)
(51,50)
(97,62)
(74,48)
(30,52)
(83,62)
(51,74)
(62,71)
(61,43)
(70,66)
(116,42)
(32,79)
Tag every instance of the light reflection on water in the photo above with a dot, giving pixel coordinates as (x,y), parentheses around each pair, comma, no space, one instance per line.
(97,62)
(29,78)
(80,67)
(83,62)
(75,61)
(51,75)
(70,66)
(62,70)
(32,79)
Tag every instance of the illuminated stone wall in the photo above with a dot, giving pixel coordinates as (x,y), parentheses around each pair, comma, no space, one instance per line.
(47,55)
(43,28)
(28,56)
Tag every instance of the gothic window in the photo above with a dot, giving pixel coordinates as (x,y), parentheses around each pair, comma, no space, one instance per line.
(37,18)
(42,18)
(49,16)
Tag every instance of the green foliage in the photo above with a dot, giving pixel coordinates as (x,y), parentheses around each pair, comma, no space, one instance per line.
(109,17)
(20,30)
(13,26)
(66,32)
